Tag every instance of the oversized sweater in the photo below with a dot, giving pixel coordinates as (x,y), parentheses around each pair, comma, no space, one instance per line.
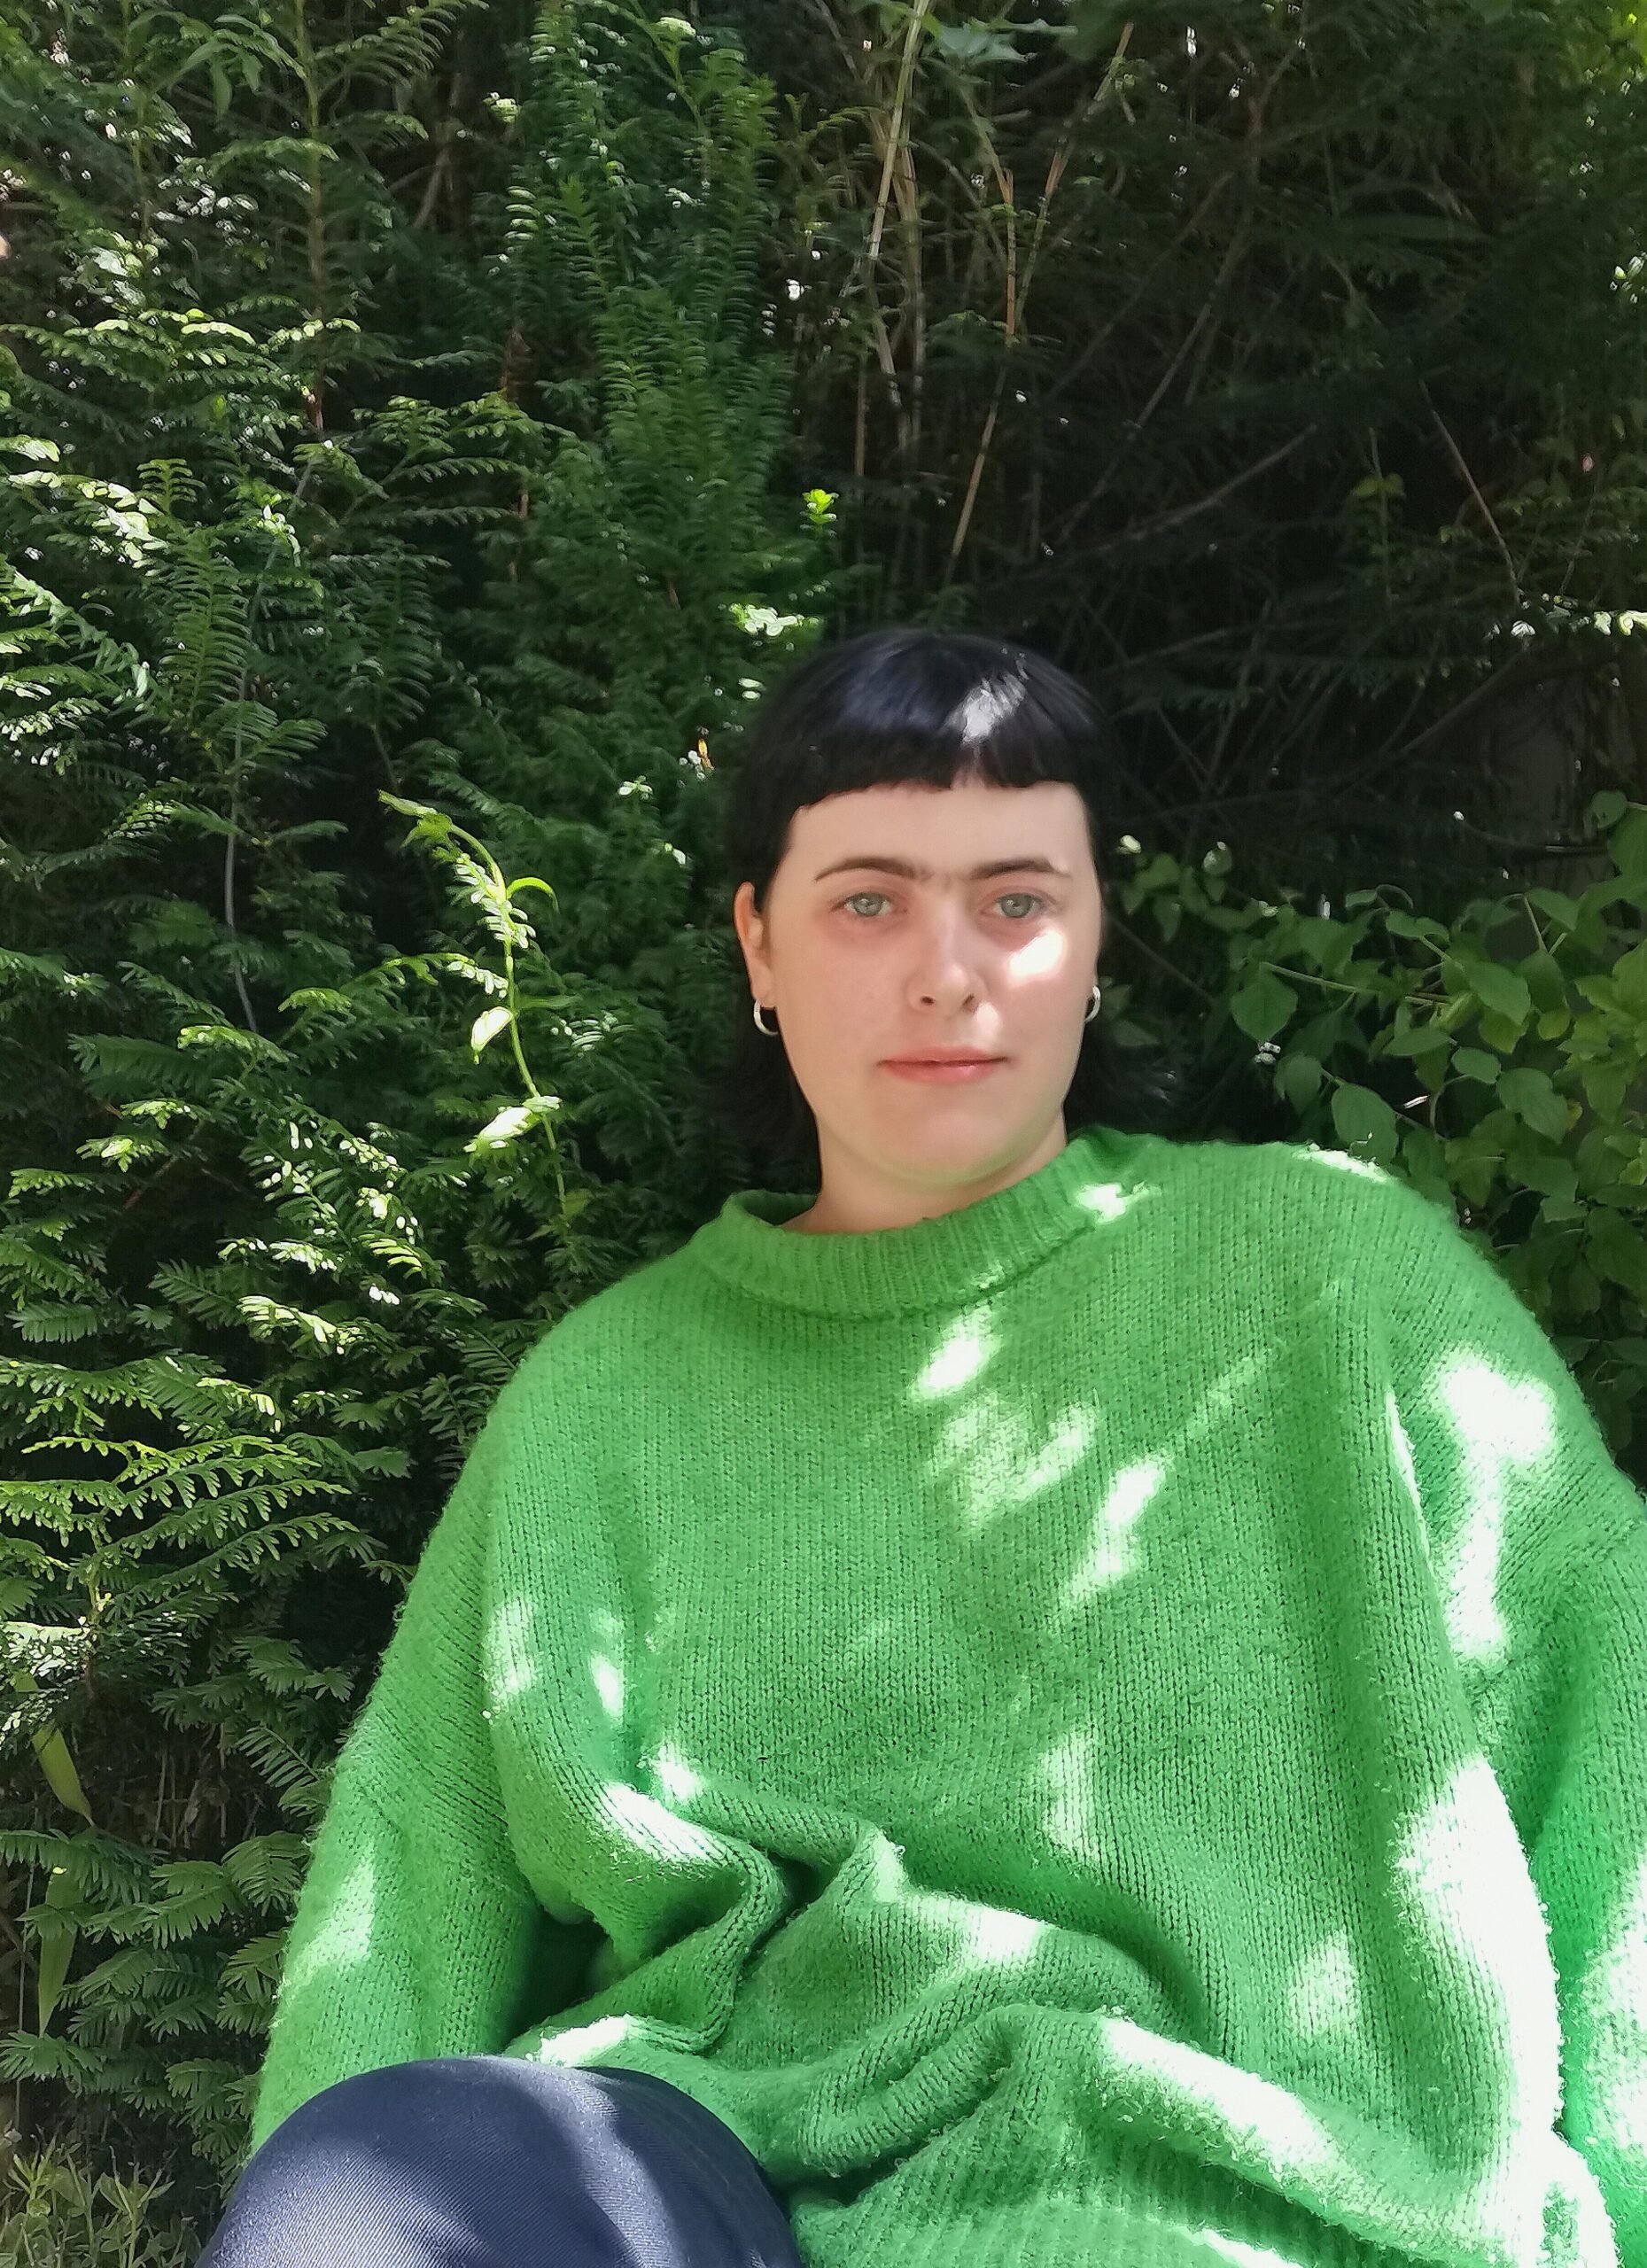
(1107,1728)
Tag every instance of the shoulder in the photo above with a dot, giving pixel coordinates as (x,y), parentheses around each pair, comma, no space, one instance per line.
(1461,1340)
(1324,1203)
(604,1347)
(1342,1203)
(1311,1221)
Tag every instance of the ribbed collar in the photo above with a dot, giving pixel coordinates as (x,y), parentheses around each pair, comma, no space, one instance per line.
(944,1262)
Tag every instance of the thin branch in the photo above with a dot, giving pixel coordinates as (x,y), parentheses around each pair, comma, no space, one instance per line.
(918,15)
(1017,297)
(1143,530)
(1469,477)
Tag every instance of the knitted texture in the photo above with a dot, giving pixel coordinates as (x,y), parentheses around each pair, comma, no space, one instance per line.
(1105,1729)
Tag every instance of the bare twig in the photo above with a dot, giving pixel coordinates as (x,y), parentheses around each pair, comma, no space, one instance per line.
(1143,530)
(1016,295)
(917,17)
(1468,478)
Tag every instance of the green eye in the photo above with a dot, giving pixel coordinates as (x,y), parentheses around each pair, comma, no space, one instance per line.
(1033,898)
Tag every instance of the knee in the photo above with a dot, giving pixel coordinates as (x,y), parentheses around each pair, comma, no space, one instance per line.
(394,2099)
(302,2192)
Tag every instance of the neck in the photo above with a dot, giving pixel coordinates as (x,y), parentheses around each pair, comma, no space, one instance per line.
(850,1202)
(955,1253)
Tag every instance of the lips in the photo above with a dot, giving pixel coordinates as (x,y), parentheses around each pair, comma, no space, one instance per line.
(954,1071)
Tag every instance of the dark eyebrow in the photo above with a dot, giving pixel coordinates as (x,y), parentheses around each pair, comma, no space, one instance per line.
(915,874)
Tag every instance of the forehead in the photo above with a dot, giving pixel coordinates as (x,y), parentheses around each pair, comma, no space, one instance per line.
(936,830)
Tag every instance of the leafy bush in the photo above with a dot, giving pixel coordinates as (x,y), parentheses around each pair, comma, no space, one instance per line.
(1494,1061)
(278,1215)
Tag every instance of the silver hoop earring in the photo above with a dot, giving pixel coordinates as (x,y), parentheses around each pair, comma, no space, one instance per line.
(760,1026)
(1098,994)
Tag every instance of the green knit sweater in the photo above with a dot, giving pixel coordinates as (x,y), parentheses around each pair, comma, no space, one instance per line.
(1105,1729)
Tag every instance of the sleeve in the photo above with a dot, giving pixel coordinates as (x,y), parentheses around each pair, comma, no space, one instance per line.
(1589,1862)
(1542,1543)
(416,1933)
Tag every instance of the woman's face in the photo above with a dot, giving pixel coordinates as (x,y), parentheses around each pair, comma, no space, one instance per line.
(861,962)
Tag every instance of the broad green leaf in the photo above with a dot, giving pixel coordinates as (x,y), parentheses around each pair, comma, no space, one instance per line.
(1629,977)
(1298,1078)
(1615,1251)
(1263,1007)
(1561,909)
(1497,988)
(507,1126)
(1533,1100)
(1422,1039)
(1557,1177)
(1628,844)
(52,1750)
(1364,1120)
(54,1952)
(1414,925)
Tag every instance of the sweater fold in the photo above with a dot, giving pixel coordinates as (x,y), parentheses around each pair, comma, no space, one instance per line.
(1109,1725)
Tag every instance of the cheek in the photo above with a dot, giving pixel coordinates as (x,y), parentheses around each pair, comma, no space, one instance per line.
(837,979)
(1047,966)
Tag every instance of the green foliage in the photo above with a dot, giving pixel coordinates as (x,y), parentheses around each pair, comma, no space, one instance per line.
(1278,367)
(54,2213)
(285,563)
(1495,1061)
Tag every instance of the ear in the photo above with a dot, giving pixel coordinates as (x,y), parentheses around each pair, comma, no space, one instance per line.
(751,936)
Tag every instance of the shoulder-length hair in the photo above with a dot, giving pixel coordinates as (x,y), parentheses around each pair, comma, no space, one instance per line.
(882,708)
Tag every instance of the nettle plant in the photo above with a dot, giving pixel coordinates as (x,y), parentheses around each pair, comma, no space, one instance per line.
(1495,1062)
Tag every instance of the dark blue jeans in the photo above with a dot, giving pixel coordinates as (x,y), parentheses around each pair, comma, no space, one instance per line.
(493,2161)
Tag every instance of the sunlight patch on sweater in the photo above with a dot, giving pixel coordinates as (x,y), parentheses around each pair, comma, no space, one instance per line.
(1112,1199)
(1070,1771)
(979,1935)
(343,1937)
(513,1646)
(1466,1874)
(1324,1998)
(642,1821)
(1501,1424)
(959,1356)
(991,1936)
(1617,1983)
(1401,1449)
(1367,1168)
(676,1777)
(1110,1554)
(584,2039)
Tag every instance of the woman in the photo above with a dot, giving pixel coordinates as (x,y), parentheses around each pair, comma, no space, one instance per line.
(1077,1698)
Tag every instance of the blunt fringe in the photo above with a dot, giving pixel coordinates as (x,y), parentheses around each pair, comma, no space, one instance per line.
(888,707)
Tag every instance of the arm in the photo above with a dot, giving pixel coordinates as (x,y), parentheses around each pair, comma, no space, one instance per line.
(416,1933)
(1540,1546)
(1589,1861)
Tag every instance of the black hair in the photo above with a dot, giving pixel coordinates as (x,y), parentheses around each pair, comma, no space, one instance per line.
(881,708)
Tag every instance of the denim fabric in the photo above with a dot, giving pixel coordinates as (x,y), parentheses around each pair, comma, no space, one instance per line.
(493,2161)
